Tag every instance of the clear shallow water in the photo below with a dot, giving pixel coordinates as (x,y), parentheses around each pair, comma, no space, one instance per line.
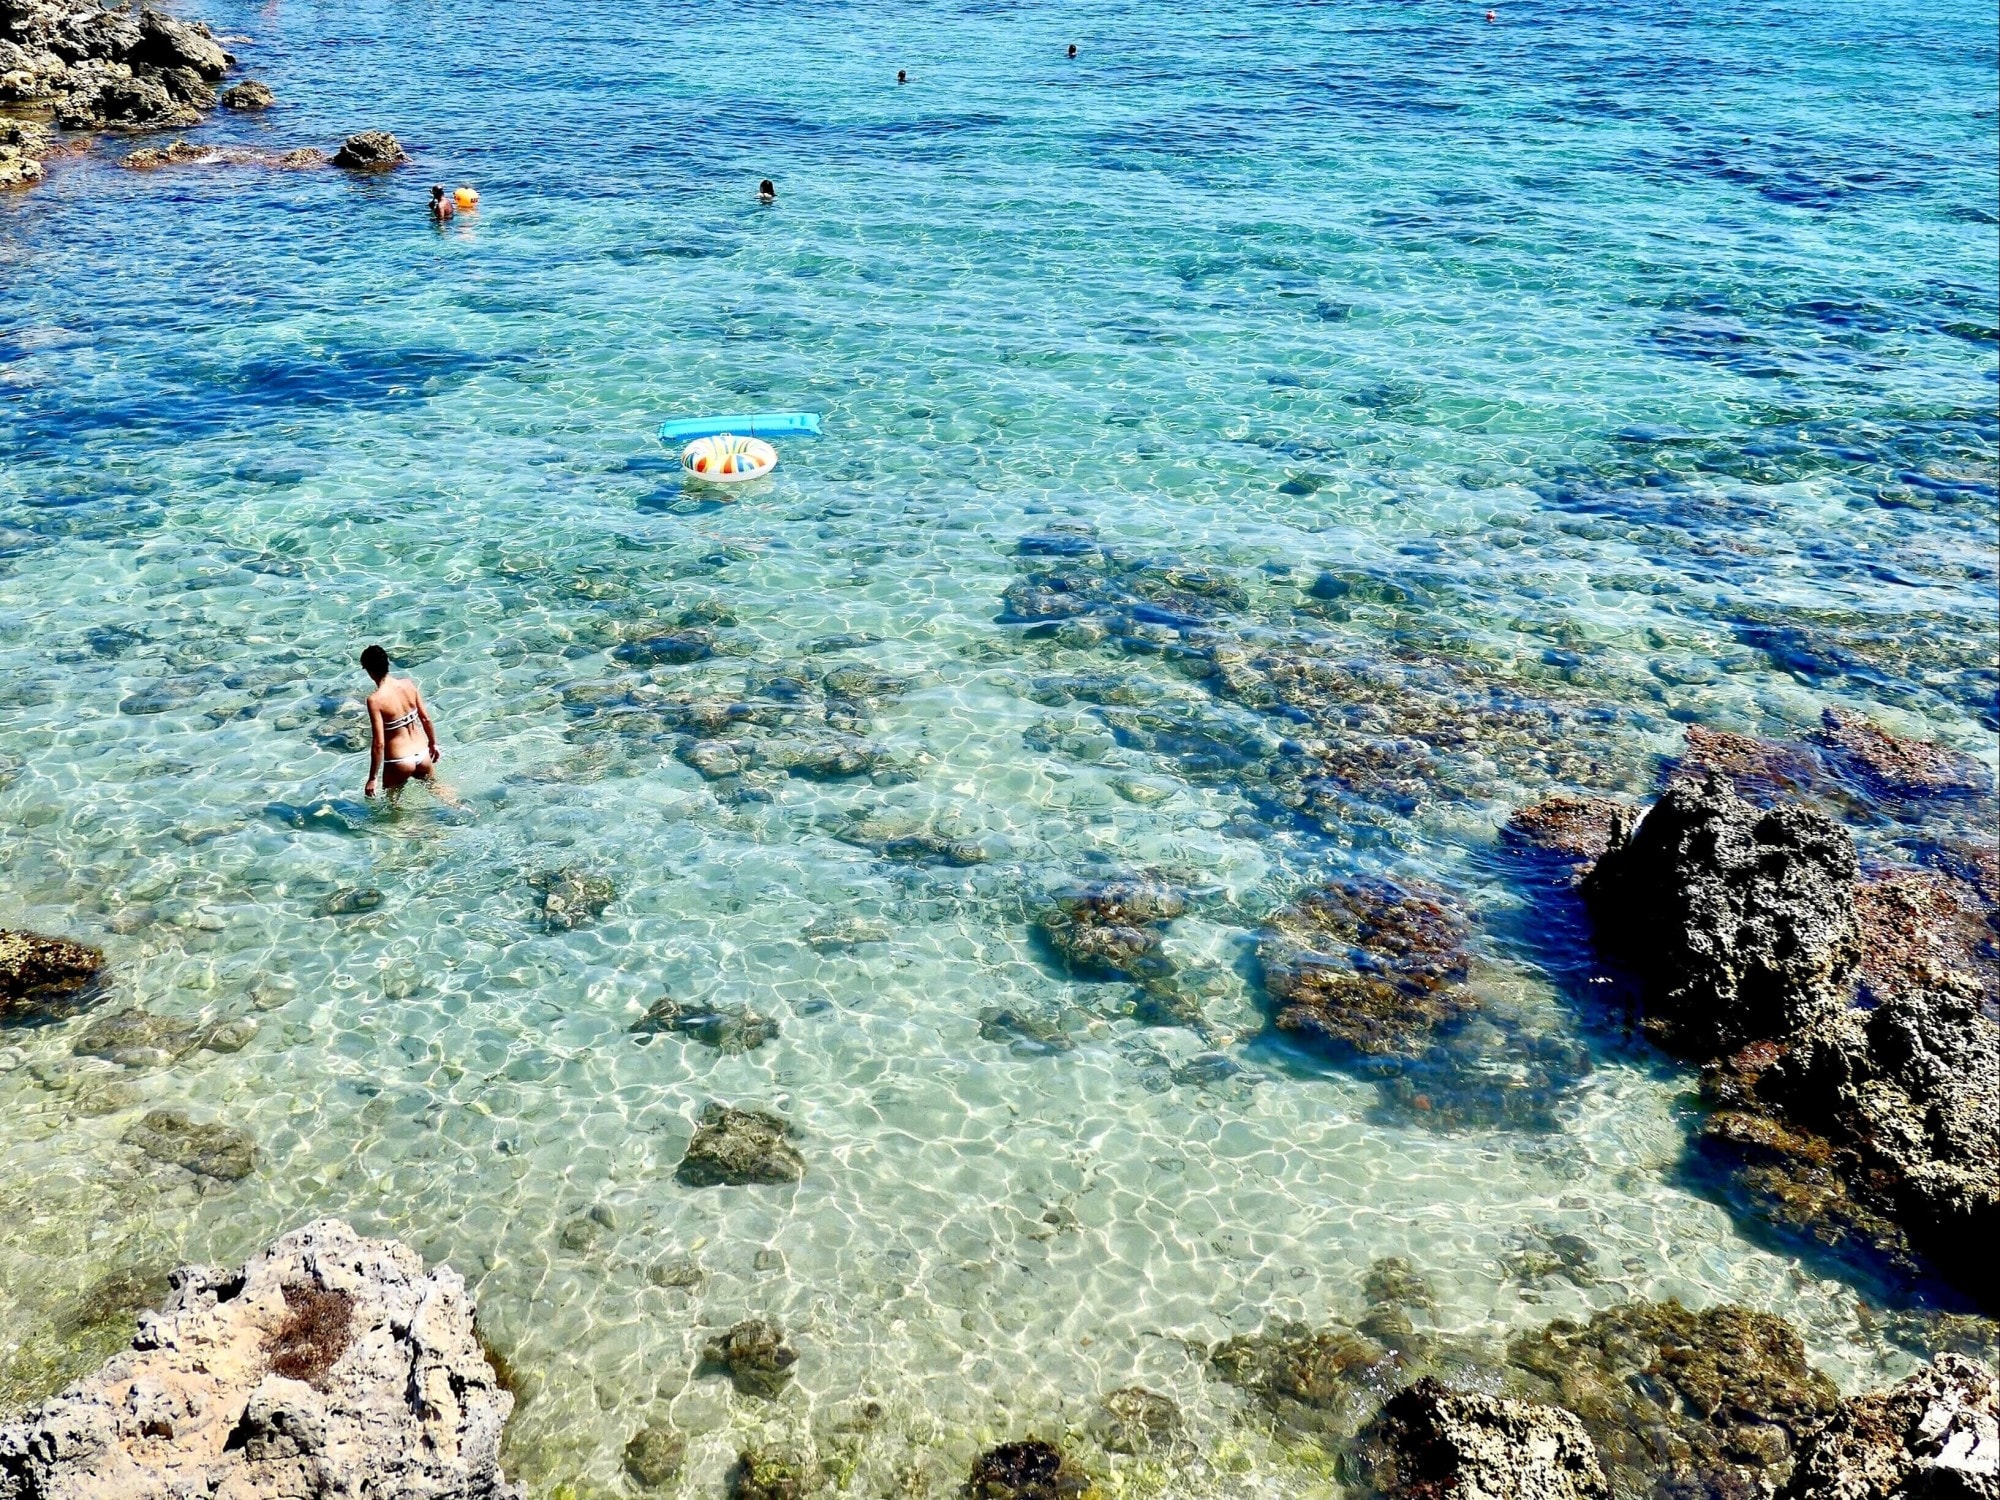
(1651,360)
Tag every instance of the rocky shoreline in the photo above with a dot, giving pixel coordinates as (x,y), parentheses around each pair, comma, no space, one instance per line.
(330,1364)
(70,69)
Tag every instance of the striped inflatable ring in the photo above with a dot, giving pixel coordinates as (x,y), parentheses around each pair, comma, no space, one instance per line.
(728,459)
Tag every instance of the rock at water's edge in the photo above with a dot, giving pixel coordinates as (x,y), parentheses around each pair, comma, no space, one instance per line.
(250,94)
(1431,1442)
(370,151)
(327,1364)
(1935,1435)
(1737,921)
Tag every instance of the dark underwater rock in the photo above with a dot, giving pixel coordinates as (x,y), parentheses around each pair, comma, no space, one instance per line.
(736,1147)
(1762,771)
(727,1028)
(135,1038)
(45,978)
(172,1136)
(1028,1470)
(756,1357)
(1682,1403)
(1433,1443)
(761,1474)
(1111,929)
(1023,1030)
(1326,1380)
(1366,965)
(1737,921)
(675,648)
(370,151)
(571,898)
(1140,1422)
(654,1456)
(349,902)
(1935,1436)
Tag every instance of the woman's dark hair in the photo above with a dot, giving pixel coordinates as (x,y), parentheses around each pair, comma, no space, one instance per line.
(375,662)
(437,190)
(768,188)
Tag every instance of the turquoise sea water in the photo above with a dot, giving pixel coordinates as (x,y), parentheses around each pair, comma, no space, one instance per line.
(1631,361)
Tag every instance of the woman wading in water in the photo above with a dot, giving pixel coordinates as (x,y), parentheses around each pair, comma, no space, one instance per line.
(405,741)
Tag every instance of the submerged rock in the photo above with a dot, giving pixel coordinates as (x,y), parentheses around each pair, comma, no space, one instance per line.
(675,648)
(654,1456)
(327,1364)
(571,898)
(1324,1381)
(45,978)
(761,1474)
(1431,1442)
(1680,1402)
(1367,965)
(736,1147)
(370,151)
(1112,929)
(1737,921)
(1023,1030)
(1893,767)
(1935,1435)
(1140,1422)
(727,1028)
(838,934)
(1028,1470)
(756,1357)
(1575,829)
(136,1038)
(221,1152)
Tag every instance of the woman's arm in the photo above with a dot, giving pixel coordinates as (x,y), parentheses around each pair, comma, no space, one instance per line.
(375,749)
(430,729)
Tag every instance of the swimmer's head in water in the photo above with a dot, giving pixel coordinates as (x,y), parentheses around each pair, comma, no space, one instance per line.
(902,76)
(437,191)
(1072,49)
(767,189)
(375,662)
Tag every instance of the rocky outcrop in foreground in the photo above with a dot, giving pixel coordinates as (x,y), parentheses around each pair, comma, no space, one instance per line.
(1876,1124)
(327,1365)
(1936,1434)
(1433,1441)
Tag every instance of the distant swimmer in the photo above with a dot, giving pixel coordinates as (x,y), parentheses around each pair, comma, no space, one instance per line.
(1492,15)
(403,741)
(1072,49)
(767,191)
(901,76)
(442,207)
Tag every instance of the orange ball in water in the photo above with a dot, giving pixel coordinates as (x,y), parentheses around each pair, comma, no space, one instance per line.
(465,197)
